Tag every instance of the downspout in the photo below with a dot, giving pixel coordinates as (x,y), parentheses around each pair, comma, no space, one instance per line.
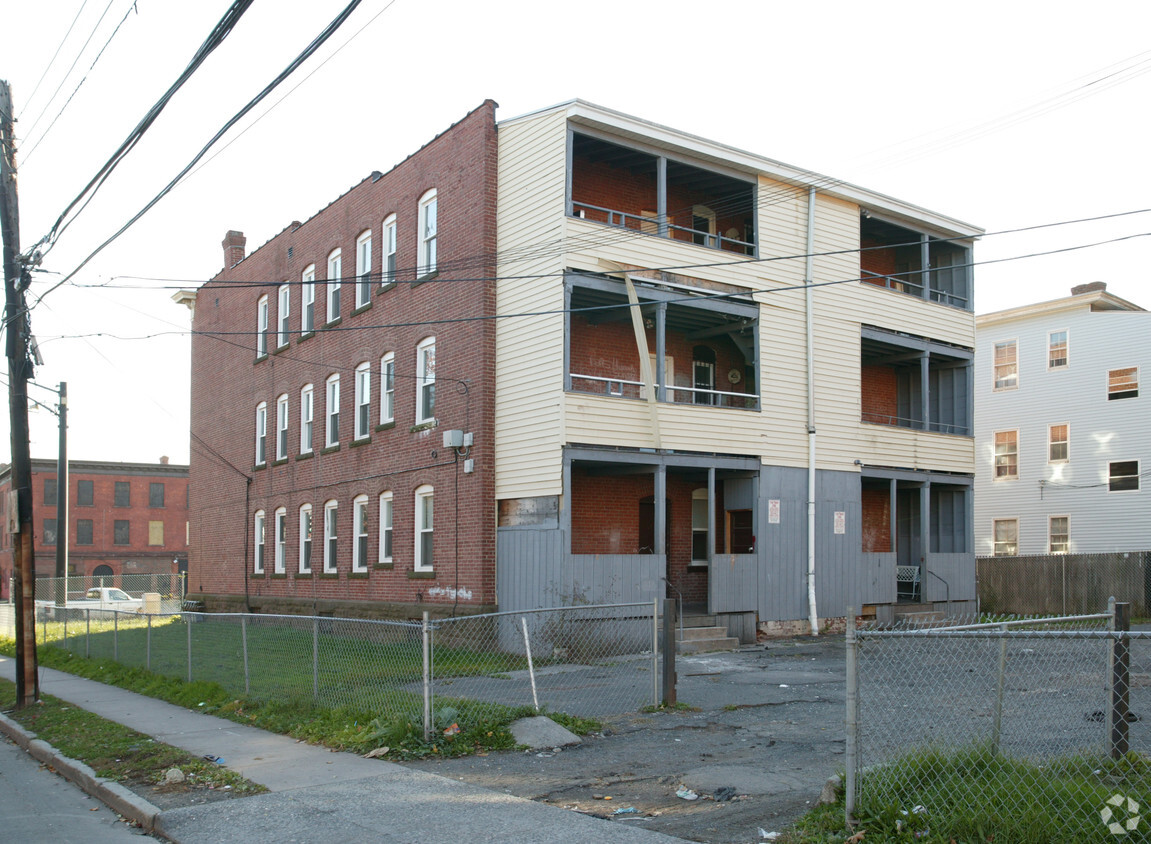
(808,271)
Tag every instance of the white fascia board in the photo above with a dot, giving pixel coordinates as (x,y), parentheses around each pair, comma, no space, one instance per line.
(647,132)
(1084,301)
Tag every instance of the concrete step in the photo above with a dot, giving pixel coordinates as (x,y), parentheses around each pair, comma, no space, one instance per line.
(921,618)
(700,646)
(697,633)
(698,621)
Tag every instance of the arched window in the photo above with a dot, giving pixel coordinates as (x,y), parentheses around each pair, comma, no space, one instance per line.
(332,411)
(335,272)
(281,539)
(307,411)
(283,309)
(261,433)
(385,527)
(308,300)
(428,213)
(331,512)
(360,533)
(282,427)
(363,399)
(306,539)
(258,557)
(426,380)
(364,269)
(262,326)
(425,498)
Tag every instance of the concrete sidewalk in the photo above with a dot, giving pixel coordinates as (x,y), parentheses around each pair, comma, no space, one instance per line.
(318,795)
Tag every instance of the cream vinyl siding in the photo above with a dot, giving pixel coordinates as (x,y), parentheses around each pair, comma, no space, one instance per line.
(534,417)
(529,350)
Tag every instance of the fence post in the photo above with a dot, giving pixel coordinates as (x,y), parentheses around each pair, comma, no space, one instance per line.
(427,644)
(188,627)
(148,645)
(531,667)
(65,629)
(1110,668)
(655,652)
(669,652)
(1000,687)
(1120,680)
(316,660)
(115,635)
(244,648)
(87,633)
(851,748)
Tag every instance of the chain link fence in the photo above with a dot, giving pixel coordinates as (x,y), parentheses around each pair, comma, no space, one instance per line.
(970,729)
(589,661)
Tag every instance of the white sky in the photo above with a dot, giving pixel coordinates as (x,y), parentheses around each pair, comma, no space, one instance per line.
(981,111)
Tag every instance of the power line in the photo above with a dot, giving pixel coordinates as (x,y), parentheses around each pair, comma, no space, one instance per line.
(317,42)
(52,60)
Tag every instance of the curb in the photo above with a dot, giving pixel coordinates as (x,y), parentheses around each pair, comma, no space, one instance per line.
(112,794)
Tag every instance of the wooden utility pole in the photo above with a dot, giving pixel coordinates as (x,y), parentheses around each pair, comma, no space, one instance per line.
(16,279)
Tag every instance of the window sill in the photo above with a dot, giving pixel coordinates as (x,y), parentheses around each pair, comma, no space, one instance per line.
(362,308)
(384,566)
(387,285)
(303,575)
(359,442)
(425,277)
(260,357)
(306,335)
(697,565)
(423,426)
(334,322)
(281,348)
(422,574)
(331,449)
(383,426)
(329,575)
(307,455)
(259,467)
(257,575)
(281,576)
(358,575)
(280,462)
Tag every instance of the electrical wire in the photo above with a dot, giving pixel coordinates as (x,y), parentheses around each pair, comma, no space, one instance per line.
(219,33)
(317,42)
(52,60)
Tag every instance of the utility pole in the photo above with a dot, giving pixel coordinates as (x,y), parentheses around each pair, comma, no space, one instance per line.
(16,280)
(61,589)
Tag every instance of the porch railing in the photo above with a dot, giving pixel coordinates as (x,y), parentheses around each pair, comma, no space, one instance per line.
(695,396)
(653,225)
(935,426)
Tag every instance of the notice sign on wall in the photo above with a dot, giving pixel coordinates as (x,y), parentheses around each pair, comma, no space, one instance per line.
(840,521)
(773,511)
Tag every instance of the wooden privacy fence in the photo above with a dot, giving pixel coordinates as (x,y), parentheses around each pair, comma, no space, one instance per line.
(1058,584)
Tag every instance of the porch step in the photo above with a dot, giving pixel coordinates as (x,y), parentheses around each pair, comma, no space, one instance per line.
(697,639)
(698,621)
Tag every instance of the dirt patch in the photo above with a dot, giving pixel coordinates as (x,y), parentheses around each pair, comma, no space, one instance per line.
(766,734)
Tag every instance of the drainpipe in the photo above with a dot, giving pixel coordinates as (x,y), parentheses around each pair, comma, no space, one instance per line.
(812,613)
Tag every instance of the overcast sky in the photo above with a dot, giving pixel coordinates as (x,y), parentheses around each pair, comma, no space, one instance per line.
(1003,115)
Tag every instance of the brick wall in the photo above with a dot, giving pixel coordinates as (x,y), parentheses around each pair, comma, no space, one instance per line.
(878,394)
(876,505)
(228,382)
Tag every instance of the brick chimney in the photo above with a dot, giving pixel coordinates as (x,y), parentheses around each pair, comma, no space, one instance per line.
(164,460)
(1090,287)
(234,243)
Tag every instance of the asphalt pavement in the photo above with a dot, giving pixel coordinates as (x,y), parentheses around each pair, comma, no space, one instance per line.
(319,795)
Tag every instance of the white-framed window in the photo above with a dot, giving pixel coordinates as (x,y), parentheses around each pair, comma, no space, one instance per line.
(258,545)
(364,269)
(335,278)
(283,309)
(261,433)
(332,411)
(1006,455)
(385,527)
(262,326)
(282,427)
(1006,537)
(363,400)
(427,223)
(426,380)
(387,388)
(306,539)
(699,534)
(1007,365)
(1057,351)
(307,416)
(308,300)
(1123,476)
(389,274)
(1058,534)
(360,532)
(1058,443)
(1123,383)
(281,539)
(425,499)
(331,541)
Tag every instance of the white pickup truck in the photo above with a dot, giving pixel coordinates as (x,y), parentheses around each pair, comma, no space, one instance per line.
(100,598)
